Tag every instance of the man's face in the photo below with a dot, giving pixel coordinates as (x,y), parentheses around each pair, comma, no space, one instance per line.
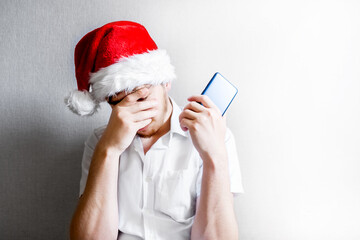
(157,93)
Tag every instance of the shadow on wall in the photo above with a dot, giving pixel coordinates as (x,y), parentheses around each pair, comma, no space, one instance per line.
(40,171)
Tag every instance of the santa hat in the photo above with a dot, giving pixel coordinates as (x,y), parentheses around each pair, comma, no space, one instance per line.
(116,57)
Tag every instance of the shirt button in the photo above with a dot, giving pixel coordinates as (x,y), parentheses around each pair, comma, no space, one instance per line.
(148,179)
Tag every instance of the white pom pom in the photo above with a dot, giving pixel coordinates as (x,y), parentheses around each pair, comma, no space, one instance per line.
(81,103)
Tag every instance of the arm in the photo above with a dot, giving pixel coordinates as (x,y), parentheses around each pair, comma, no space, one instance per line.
(96,216)
(215,217)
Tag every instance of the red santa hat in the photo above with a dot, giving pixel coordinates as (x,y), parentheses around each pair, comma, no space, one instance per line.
(116,57)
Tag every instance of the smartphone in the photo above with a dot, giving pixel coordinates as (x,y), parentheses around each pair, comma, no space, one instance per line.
(220,91)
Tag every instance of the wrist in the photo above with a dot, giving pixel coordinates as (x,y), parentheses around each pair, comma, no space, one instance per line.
(108,151)
(215,160)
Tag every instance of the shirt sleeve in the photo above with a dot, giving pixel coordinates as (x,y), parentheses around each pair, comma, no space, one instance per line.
(90,144)
(236,186)
(198,180)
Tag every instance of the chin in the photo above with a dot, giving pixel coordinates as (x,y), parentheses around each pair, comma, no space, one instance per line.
(146,134)
(147,131)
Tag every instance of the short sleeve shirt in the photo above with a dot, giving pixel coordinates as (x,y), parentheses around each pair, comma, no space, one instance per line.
(157,192)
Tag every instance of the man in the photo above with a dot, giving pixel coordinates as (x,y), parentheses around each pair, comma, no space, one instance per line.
(154,171)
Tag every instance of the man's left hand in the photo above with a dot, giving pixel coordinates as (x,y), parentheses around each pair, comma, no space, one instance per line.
(206,126)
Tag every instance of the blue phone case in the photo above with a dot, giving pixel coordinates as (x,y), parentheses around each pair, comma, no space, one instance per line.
(220,91)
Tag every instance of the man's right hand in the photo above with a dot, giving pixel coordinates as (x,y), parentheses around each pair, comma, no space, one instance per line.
(127,117)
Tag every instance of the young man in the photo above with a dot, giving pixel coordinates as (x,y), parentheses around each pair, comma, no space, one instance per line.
(155,171)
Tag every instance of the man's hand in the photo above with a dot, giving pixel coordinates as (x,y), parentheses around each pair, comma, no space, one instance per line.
(206,125)
(97,216)
(215,217)
(128,116)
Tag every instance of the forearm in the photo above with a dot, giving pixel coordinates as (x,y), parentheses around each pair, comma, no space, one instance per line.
(96,216)
(215,217)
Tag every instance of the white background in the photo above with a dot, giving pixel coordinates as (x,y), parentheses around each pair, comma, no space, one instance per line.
(295,119)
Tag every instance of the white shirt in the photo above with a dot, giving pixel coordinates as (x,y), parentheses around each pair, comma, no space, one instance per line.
(157,192)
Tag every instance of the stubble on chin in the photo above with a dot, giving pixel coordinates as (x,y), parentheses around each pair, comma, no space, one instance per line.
(150,131)
(149,134)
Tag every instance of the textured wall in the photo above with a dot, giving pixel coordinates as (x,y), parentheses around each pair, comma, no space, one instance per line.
(296,117)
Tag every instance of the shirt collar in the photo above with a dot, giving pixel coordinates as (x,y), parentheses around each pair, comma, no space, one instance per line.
(174,121)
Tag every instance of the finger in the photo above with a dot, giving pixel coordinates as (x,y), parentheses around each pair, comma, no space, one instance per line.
(138,94)
(189,114)
(116,98)
(195,106)
(144,105)
(186,124)
(203,99)
(140,116)
(143,123)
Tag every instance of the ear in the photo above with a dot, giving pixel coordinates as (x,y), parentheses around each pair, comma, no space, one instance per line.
(168,86)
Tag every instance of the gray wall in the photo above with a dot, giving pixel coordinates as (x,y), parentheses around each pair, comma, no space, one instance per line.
(295,119)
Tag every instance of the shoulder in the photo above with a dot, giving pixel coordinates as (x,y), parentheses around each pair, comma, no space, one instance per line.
(100,130)
(95,135)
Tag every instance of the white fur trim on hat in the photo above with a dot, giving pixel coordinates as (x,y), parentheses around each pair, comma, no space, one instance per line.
(152,67)
(81,103)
